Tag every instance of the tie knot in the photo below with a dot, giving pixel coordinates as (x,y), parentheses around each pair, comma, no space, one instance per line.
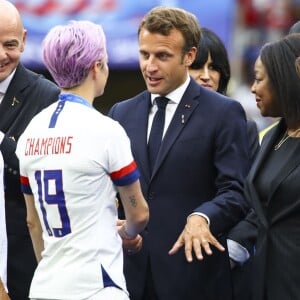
(161,102)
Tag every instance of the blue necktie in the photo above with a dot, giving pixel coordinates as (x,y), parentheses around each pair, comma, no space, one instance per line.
(157,128)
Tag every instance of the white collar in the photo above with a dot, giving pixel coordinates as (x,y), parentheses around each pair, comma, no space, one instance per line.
(5,83)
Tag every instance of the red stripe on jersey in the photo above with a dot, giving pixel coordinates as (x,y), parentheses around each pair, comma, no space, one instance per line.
(24,180)
(124,171)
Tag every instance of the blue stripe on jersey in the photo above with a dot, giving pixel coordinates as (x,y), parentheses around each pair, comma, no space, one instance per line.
(56,113)
(107,281)
(25,187)
(127,179)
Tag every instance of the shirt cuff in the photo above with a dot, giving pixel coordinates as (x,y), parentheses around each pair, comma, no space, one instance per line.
(202,215)
(237,252)
(2,135)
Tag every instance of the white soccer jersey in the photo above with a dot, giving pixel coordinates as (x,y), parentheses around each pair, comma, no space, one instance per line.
(70,158)
(3,237)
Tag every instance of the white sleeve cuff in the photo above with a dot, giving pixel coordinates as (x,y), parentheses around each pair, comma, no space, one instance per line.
(237,252)
(202,215)
(2,135)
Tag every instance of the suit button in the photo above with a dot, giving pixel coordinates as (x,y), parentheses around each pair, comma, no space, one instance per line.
(150,196)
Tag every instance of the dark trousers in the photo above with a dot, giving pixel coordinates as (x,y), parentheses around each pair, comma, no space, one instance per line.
(150,293)
(21,264)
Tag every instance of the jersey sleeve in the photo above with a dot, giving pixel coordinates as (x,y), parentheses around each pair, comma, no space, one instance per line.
(122,167)
(25,186)
(24,180)
(126,175)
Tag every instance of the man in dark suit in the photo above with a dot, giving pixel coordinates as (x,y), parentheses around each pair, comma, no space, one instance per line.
(22,94)
(194,184)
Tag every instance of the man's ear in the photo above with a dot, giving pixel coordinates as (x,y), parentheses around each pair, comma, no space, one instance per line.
(24,40)
(190,56)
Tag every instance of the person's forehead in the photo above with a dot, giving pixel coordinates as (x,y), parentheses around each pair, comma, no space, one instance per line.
(9,18)
(10,28)
(173,39)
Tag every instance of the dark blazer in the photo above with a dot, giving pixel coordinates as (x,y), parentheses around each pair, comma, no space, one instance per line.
(27,94)
(276,260)
(253,139)
(201,166)
(245,232)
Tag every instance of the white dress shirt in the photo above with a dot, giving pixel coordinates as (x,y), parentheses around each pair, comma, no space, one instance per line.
(174,99)
(4,85)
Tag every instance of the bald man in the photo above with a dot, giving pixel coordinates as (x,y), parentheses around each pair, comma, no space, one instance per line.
(22,95)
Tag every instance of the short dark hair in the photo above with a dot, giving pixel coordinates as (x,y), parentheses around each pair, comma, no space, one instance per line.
(211,44)
(279,60)
(163,19)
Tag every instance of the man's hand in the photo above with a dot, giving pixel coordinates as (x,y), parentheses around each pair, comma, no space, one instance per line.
(130,246)
(196,236)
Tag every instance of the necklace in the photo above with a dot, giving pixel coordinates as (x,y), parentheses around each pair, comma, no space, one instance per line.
(285,137)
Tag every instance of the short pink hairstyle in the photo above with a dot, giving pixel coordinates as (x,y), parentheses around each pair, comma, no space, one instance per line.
(69,51)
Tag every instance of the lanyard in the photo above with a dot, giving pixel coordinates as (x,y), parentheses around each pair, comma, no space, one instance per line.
(63,98)
(74,98)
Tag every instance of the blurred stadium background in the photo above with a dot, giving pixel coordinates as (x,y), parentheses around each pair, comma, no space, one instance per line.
(243,25)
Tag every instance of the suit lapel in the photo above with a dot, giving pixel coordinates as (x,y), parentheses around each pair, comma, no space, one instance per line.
(139,134)
(288,168)
(292,162)
(265,149)
(263,153)
(13,99)
(181,117)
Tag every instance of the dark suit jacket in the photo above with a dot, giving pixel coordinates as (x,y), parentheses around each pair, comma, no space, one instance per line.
(253,139)
(276,260)
(200,168)
(27,94)
(245,232)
